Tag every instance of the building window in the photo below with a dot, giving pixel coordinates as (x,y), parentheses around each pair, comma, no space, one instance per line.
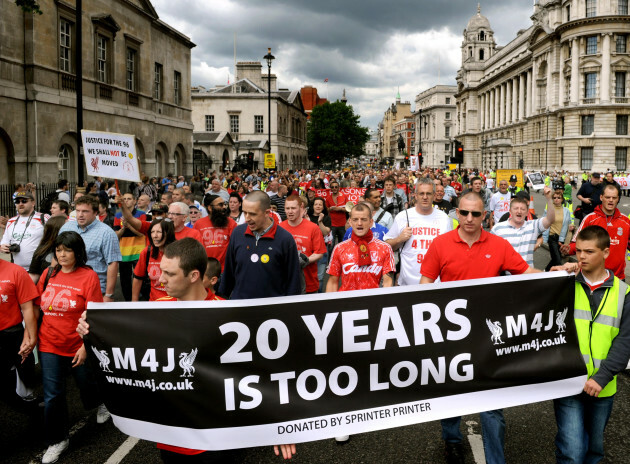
(177,88)
(481,55)
(621,158)
(561,156)
(620,84)
(258,124)
(591,8)
(621,43)
(101,58)
(542,95)
(157,81)
(562,126)
(622,8)
(65,45)
(590,82)
(588,124)
(447,115)
(586,158)
(568,9)
(447,131)
(448,100)
(591,45)
(209,123)
(622,124)
(131,69)
(567,88)
(63,162)
(234,124)
(447,147)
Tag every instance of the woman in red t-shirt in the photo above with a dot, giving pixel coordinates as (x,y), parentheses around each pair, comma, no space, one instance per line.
(64,293)
(161,233)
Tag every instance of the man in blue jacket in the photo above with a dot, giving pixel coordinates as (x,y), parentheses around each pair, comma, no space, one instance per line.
(262,258)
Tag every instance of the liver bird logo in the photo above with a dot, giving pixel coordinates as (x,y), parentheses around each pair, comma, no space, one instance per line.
(560,317)
(103,359)
(94,163)
(186,361)
(496,331)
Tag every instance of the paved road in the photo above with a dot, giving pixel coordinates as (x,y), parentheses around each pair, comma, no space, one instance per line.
(529,439)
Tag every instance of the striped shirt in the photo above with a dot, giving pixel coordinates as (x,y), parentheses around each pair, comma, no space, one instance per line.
(522,239)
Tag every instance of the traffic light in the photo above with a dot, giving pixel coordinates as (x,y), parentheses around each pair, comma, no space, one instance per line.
(420,158)
(459,153)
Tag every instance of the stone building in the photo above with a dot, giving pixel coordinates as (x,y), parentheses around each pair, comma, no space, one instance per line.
(389,143)
(371,146)
(555,97)
(241,110)
(310,99)
(136,80)
(404,129)
(435,124)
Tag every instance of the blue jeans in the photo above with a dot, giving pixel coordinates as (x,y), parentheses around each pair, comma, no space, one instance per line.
(55,369)
(493,434)
(321,271)
(581,422)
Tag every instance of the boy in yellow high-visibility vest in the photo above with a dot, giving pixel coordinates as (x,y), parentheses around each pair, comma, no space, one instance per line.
(602,322)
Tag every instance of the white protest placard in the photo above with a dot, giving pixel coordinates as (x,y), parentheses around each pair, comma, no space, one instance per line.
(537,180)
(624,182)
(111,155)
(413,163)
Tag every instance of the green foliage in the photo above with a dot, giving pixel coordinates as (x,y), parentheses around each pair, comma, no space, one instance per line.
(29,6)
(334,133)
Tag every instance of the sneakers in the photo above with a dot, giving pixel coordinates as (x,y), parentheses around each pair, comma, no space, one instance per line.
(102,414)
(454,453)
(54,451)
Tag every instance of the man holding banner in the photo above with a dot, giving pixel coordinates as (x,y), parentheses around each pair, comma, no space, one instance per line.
(469,252)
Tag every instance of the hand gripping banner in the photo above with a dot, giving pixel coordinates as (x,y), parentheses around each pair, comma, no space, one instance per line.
(234,374)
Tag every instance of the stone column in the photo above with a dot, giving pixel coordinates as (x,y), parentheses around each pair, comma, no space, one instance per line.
(514,99)
(575,73)
(521,97)
(482,111)
(493,112)
(508,102)
(561,86)
(487,110)
(550,86)
(604,86)
(501,104)
(533,108)
(528,110)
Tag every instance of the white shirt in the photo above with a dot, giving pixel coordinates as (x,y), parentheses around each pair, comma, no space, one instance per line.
(500,204)
(424,229)
(16,228)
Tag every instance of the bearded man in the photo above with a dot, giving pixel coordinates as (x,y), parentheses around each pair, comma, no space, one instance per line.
(216,228)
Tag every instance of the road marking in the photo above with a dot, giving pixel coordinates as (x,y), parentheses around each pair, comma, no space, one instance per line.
(75,428)
(476,443)
(122,451)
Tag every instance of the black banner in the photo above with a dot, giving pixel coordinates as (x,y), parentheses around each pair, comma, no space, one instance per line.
(233,374)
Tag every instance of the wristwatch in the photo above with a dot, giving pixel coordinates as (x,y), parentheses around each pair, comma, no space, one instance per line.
(109,295)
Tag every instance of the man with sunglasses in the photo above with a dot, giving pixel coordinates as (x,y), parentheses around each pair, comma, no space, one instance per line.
(469,252)
(24,231)
(216,228)
(336,204)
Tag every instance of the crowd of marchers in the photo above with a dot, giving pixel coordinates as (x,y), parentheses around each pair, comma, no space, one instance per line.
(243,235)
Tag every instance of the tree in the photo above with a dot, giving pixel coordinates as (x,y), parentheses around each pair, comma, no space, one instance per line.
(29,6)
(334,133)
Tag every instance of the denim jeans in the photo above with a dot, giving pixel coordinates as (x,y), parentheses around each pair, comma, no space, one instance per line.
(581,422)
(493,434)
(321,271)
(55,370)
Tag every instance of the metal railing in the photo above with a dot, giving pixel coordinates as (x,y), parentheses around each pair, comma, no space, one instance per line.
(7,206)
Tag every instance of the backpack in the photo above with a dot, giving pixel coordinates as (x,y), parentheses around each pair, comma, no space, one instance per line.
(48,201)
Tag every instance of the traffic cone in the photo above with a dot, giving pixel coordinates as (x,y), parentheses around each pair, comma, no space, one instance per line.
(532,209)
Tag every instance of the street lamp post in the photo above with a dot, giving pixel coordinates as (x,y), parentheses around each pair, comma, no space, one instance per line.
(269,57)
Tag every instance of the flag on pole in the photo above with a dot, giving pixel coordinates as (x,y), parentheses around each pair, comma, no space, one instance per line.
(326,80)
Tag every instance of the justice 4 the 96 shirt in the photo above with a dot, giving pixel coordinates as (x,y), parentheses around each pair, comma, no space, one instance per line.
(344,259)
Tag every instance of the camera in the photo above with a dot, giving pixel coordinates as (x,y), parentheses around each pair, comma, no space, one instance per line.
(14,248)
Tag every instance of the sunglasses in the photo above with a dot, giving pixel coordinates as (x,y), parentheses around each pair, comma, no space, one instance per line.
(21,200)
(475,214)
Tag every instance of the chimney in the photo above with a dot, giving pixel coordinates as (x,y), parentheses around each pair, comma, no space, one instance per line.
(250,70)
(273,82)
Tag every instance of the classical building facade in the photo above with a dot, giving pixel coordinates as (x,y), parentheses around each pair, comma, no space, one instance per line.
(435,124)
(371,146)
(241,110)
(555,97)
(389,143)
(136,80)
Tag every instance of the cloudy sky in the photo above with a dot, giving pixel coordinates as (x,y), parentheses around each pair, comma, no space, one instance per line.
(369,47)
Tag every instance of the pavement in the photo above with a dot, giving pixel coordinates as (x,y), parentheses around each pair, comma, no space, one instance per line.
(529,437)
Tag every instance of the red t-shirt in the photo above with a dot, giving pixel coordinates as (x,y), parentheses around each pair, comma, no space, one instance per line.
(344,259)
(188,232)
(16,288)
(178,449)
(457,186)
(215,239)
(337,218)
(154,271)
(450,258)
(309,240)
(64,300)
